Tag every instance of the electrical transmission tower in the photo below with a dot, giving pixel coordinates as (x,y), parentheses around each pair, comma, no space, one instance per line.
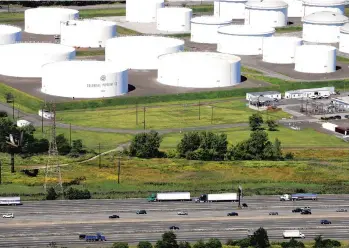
(53,176)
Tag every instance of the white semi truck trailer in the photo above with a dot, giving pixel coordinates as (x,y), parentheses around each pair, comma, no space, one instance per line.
(296,234)
(223,197)
(171,196)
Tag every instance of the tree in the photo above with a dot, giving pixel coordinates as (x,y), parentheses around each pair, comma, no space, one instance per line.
(260,239)
(75,194)
(146,244)
(184,244)
(146,145)
(255,121)
(170,239)
(292,244)
(257,144)
(199,244)
(63,145)
(120,245)
(77,148)
(3,114)
(325,243)
(277,149)
(272,125)
(245,243)
(51,194)
(189,143)
(213,243)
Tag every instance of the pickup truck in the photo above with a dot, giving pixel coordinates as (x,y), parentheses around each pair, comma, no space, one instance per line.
(8,215)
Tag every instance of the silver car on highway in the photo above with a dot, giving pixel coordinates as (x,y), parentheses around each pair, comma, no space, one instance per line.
(182,213)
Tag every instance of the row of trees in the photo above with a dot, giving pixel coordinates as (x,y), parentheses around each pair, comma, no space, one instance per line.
(33,4)
(70,194)
(259,239)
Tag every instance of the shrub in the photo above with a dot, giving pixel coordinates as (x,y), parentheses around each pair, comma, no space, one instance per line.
(3,114)
(75,194)
(144,244)
(120,245)
(51,194)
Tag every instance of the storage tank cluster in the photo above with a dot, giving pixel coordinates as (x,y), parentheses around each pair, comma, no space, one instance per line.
(230,9)
(143,11)
(313,6)
(174,19)
(10,34)
(280,50)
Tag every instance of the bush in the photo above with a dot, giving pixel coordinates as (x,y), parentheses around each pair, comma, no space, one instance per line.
(75,194)
(144,244)
(289,156)
(232,242)
(146,145)
(213,243)
(184,245)
(3,114)
(51,194)
(244,243)
(120,245)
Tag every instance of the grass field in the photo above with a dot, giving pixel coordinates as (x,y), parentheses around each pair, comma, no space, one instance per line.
(174,116)
(343,59)
(289,29)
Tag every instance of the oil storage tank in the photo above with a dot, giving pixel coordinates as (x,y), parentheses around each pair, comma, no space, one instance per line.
(295,8)
(174,19)
(10,34)
(242,39)
(199,69)
(281,49)
(230,9)
(315,59)
(143,11)
(266,13)
(312,6)
(26,59)
(344,38)
(89,33)
(140,52)
(84,79)
(204,28)
(47,21)
(323,27)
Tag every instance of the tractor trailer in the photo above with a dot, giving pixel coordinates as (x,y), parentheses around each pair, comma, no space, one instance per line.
(172,196)
(298,197)
(223,197)
(295,234)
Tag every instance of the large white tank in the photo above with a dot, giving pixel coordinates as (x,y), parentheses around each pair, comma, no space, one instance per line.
(87,33)
(312,6)
(315,59)
(143,11)
(84,79)
(199,70)
(323,27)
(281,49)
(295,8)
(174,19)
(242,39)
(204,28)
(47,21)
(230,9)
(9,34)
(140,52)
(344,38)
(26,59)
(266,13)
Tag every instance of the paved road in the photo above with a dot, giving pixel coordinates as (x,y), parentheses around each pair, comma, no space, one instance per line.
(38,223)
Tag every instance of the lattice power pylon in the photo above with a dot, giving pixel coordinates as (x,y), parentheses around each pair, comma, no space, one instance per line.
(53,176)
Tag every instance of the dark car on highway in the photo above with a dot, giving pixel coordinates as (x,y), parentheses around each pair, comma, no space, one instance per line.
(306,212)
(114,216)
(82,236)
(297,210)
(273,213)
(141,212)
(244,205)
(341,210)
(325,222)
(174,228)
(233,214)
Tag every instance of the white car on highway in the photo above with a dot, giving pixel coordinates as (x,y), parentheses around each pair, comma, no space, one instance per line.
(9,215)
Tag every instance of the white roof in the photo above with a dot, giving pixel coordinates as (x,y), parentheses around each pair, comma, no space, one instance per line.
(7,29)
(202,57)
(53,10)
(246,30)
(316,48)
(232,1)
(212,20)
(345,28)
(91,22)
(175,9)
(284,39)
(24,49)
(85,66)
(144,42)
(325,17)
(310,90)
(324,2)
(262,4)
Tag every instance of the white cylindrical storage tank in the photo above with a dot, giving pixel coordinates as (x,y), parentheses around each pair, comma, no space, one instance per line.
(10,34)
(242,39)
(323,27)
(199,70)
(47,21)
(315,59)
(295,8)
(204,28)
(140,52)
(266,13)
(312,6)
(87,33)
(281,49)
(230,9)
(344,38)
(174,19)
(143,11)
(84,79)
(26,59)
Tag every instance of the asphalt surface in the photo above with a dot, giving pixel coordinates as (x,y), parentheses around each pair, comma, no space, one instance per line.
(38,223)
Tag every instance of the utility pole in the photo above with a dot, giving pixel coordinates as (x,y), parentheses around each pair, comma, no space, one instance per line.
(70,133)
(42,120)
(119,167)
(17,114)
(211,114)
(137,114)
(0,174)
(100,158)
(13,108)
(199,111)
(240,193)
(144,118)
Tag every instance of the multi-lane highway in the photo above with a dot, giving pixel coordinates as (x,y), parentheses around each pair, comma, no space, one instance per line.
(38,223)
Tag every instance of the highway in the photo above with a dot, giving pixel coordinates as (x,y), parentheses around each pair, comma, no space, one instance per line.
(38,223)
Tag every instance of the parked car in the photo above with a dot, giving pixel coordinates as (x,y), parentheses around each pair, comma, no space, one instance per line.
(233,214)
(141,212)
(306,211)
(114,216)
(273,213)
(325,222)
(337,117)
(174,228)
(8,215)
(346,116)
(297,210)
(82,236)
(182,213)
(244,205)
(341,210)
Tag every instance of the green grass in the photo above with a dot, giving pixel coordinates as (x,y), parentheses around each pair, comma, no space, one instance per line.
(85,53)
(247,70)
(343,59)
(234,111)
(289,29)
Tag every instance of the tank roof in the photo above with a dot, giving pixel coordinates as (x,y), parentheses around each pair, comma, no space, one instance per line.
(345,28)
(211,20)
(86,66)
(266,4)
(148,41)
(245,30)
(8,29)
(232,1)
(316,48)
(201,56)
(92,22)
(177,9)
(34,48)
(325,17)
(324,2)
(53,10)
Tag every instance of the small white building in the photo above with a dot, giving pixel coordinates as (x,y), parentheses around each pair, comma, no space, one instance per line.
(309,93)
(23,123)
(46,114)
(329,126)
(268,94)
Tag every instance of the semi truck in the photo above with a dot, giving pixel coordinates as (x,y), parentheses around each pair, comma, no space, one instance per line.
(298,197)
(94,238)
(296,234)
(172,196)
(223,197)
